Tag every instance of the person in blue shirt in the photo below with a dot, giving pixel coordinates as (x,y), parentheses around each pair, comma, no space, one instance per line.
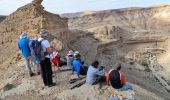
(23,45)
(78,67)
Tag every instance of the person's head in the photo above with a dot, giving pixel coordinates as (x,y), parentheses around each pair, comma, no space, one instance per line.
(70,53)
(35,38)
(24,36)
(76,53)
(44,33)
(78,56)
(118,66)
(95,64)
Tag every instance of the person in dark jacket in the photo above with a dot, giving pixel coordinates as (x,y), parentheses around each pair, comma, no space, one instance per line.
(116,78)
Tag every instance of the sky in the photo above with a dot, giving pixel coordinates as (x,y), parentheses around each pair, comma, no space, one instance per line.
(70,6)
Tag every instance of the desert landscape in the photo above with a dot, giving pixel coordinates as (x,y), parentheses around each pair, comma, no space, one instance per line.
(136,37)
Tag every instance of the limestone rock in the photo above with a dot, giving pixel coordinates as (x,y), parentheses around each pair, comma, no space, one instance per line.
(29,18)
(8,87)
(93,93)
(57,45)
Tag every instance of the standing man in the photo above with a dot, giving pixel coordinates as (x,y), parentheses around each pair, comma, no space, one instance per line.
(23,45)
(46,68)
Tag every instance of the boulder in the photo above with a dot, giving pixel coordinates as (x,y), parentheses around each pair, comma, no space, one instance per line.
(57,45)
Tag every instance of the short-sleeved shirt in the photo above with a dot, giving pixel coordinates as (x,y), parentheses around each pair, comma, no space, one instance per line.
(23,45)
(76,66)
(45,44)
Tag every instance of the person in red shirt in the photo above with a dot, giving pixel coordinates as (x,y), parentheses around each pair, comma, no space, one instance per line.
(117,79)
(56,60)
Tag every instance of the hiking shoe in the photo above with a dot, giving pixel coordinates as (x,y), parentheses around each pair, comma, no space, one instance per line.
(32,74)
(51,85)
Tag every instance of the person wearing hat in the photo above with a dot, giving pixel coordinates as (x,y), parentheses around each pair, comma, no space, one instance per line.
(76,53)
(95,74)
(55,59)
(69,58)
(23,45)
(78,67)
(116,78)
(46,67)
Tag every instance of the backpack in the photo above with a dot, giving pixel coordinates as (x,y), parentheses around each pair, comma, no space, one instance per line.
(36,47)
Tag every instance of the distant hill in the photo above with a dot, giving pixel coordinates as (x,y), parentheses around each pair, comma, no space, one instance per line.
(78,14)
(134,19)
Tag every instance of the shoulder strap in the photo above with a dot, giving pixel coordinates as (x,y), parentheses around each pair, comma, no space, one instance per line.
(110,71)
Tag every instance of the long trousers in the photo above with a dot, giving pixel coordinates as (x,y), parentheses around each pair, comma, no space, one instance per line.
(46,71)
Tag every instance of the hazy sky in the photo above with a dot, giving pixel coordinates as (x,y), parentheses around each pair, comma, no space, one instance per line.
(67,6)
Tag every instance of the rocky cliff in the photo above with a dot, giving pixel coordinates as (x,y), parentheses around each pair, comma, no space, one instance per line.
(149,20)
(29,18)
(137,36)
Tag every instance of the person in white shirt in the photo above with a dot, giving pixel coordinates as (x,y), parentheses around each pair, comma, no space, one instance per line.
(70,58)
(46,68)
(94,75)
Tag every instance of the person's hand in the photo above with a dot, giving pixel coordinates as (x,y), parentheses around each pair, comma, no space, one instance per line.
(19,56)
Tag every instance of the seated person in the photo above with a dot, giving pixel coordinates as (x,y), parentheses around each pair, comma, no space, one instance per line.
(117,79)
(56,59)
(94,74)
(78,67)
(69,58)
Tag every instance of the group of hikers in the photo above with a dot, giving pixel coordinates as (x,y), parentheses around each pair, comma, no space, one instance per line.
(38,52)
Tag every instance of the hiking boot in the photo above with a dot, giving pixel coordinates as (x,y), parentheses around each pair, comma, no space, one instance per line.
(51,85)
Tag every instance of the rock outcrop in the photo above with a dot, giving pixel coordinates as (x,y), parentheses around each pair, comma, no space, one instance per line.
(88,92)
(151,20)
(29,18)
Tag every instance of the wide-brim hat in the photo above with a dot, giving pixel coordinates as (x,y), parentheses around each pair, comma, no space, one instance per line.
(44,32)
(76,53)
(70,53)
(24,35)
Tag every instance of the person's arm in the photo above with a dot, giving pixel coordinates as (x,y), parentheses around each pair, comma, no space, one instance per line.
(122,78)
(47,46)
(28,44)
(49,51)
(107,78)
(79,65)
